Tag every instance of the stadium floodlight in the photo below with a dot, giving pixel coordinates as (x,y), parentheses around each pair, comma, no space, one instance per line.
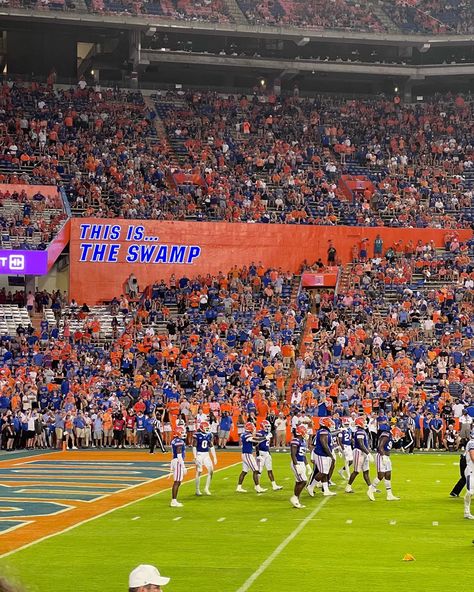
(425,47)
(151,31)
(302,42)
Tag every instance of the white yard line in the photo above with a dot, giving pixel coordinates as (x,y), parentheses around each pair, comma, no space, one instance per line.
(263,520)
(136,518)
(281,547)
(393,522)
(348,521)
(435,523)
(177,518)
(221,519)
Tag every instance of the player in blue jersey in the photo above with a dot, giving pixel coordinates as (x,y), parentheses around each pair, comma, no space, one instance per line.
(249,461)
(203,448)
(383,464)
(299,463)
(362,455)
(345,442)
(469,474)
(263,453)
(323,457)
(178,450)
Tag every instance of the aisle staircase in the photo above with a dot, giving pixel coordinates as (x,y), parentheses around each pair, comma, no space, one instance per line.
(235,13)
(383,17)
(161,133)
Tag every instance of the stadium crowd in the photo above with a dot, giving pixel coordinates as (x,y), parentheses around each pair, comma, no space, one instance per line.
(432,16)
(248,345)
(411,16)
(253,159)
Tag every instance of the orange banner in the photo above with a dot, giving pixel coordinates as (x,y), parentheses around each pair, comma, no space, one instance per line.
(103,253)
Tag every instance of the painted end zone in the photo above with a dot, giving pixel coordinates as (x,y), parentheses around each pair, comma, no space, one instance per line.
(44,495)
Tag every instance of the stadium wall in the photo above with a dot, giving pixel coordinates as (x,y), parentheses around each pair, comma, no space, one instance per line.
(103,253)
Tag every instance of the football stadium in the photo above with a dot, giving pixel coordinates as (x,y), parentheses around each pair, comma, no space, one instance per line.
(236,295)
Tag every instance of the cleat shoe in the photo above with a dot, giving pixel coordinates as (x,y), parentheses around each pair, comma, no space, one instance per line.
(342,474)
(176,504)
(392,498)
(276,487)
(310,489)
(240,489)
(348,489)
(260,489)
(207,492)
(370,494)
(329,493)
(452,494)
(294,501)
(468,516)
(198,492)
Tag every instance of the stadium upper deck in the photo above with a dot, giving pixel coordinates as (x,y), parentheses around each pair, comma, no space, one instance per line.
(406,16)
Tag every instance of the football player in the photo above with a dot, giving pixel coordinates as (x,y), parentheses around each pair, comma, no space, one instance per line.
(345,442)
(362,455)
(178,469)
(383,464)
(299,463)
(249,461)
(323,457)
(469,473)
(203,448)
(264,457)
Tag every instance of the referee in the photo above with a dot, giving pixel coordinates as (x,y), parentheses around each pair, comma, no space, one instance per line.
(456,491)
(155,435)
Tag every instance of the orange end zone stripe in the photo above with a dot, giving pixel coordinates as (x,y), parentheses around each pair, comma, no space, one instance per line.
(46,526)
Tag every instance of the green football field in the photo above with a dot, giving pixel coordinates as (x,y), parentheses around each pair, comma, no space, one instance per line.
(236,542)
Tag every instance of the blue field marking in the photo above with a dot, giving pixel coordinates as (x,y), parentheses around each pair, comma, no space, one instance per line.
(72,480)
(16,508)
(9,525)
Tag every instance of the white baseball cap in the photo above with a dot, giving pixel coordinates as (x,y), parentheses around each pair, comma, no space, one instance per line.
(143,575)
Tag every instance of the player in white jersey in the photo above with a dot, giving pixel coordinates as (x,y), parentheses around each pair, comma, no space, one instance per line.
(469,474)
(203,448)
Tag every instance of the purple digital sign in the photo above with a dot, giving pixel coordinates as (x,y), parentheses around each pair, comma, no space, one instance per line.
(23,262)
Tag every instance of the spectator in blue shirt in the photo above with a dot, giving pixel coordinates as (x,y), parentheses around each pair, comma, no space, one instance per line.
(436,427)
(224,429)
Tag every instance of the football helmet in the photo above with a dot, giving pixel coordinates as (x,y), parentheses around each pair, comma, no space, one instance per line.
(327,422)
(301,430)
(204,426)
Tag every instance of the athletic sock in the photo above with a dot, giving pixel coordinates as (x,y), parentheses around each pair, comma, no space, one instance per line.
(208,481)
(325,486)
(388,485)
(375,482)
(198,481)
(467,503)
